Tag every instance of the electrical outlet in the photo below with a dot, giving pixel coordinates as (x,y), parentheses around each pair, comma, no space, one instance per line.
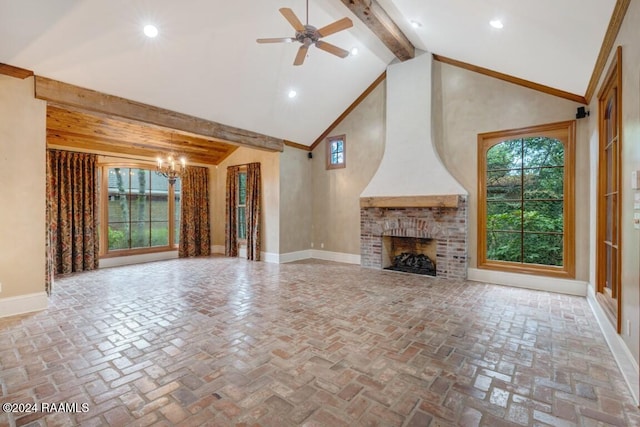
(628,327)
(321,245)
(311,244)
(0,287)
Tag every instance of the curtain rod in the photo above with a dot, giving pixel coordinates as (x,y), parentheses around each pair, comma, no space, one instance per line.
(141,159)
(244,164)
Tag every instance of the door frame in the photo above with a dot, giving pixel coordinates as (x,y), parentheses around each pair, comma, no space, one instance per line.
(612,307)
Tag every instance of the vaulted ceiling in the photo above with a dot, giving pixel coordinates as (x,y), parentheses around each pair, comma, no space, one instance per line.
(206,63)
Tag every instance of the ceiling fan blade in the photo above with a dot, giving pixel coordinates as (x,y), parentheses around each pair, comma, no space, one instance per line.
(333,49)
(292,18)
(302,53)
(339,25)
(277,40)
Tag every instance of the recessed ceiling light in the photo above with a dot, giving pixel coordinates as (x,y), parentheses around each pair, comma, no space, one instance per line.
(150,31)
(416,24)
(292,93)
(354,51)
(496,23)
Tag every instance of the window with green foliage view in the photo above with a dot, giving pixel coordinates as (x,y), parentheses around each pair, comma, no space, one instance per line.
(143,209)
(241,207)
(524,197)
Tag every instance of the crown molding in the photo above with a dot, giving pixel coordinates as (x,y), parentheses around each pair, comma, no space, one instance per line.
(619,12)
(512,79)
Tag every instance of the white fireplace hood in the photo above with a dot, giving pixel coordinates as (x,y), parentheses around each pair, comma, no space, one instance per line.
(410,165)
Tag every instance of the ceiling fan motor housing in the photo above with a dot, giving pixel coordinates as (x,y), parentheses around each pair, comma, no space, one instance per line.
(310,32)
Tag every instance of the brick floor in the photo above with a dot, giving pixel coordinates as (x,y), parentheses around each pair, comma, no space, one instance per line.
(218,341)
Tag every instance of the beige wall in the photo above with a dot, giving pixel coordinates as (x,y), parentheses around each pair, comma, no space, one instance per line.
(270,172)
(336,192)
(22,198)
(468,103)
(295,200)
(464,104)
(630,274)
(286,201)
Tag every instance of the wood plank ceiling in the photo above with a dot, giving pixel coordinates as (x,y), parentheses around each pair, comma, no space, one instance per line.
(81,130)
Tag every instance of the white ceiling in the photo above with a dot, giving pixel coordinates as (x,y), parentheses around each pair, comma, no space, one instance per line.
(206,62)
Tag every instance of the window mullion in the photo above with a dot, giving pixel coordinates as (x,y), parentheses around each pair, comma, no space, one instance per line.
(128,196)
(522,201)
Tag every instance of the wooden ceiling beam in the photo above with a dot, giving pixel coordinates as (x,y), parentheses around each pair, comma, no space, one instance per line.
(95,131)
(87,99)
(104,145)
(371,13)
(10,70)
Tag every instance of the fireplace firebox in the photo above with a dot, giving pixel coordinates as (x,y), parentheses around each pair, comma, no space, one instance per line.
(409,254)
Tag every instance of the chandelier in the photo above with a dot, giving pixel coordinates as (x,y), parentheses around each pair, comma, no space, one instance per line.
(171,168)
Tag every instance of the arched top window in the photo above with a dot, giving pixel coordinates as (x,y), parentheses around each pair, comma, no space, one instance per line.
(526,200)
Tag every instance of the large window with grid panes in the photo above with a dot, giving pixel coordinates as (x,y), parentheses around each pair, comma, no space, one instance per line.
(526,200)
(140,210)
(241,206)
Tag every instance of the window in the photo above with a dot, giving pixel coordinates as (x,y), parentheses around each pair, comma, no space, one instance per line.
(336,154)
(142,211)
(525,207)
(241,206)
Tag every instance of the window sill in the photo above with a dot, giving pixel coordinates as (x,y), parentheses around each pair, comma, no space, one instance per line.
(141,251)
(116,261)
(533,269)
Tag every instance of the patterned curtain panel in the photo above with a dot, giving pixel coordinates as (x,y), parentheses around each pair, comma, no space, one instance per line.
(72,212)
(254,190)
(50,227)
(194,222)
(231,227)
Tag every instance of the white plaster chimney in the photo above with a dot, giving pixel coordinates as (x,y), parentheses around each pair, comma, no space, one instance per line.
(410,165)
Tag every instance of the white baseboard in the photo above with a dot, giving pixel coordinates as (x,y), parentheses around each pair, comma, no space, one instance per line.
(295,256)
(21,304)
(269,257)
(217,249)
(539,283)
(137,259)
(623,357)
(335,256)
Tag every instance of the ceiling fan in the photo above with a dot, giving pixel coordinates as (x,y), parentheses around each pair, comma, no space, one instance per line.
(309,35)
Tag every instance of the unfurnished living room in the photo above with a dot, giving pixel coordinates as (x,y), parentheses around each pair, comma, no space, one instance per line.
(320,213)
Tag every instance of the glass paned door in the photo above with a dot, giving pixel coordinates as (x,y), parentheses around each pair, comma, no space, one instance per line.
(608,258)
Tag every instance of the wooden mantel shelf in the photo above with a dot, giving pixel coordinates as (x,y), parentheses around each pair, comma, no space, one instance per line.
(441,201)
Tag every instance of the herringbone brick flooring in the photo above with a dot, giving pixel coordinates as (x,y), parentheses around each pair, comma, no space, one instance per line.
(218,341)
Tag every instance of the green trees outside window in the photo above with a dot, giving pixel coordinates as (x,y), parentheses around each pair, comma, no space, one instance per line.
(143,210)
(526,199)
(242,206)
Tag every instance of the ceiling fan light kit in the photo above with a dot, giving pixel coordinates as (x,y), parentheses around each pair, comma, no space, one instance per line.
(309,35)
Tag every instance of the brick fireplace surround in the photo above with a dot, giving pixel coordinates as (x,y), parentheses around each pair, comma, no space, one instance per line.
(445,222)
